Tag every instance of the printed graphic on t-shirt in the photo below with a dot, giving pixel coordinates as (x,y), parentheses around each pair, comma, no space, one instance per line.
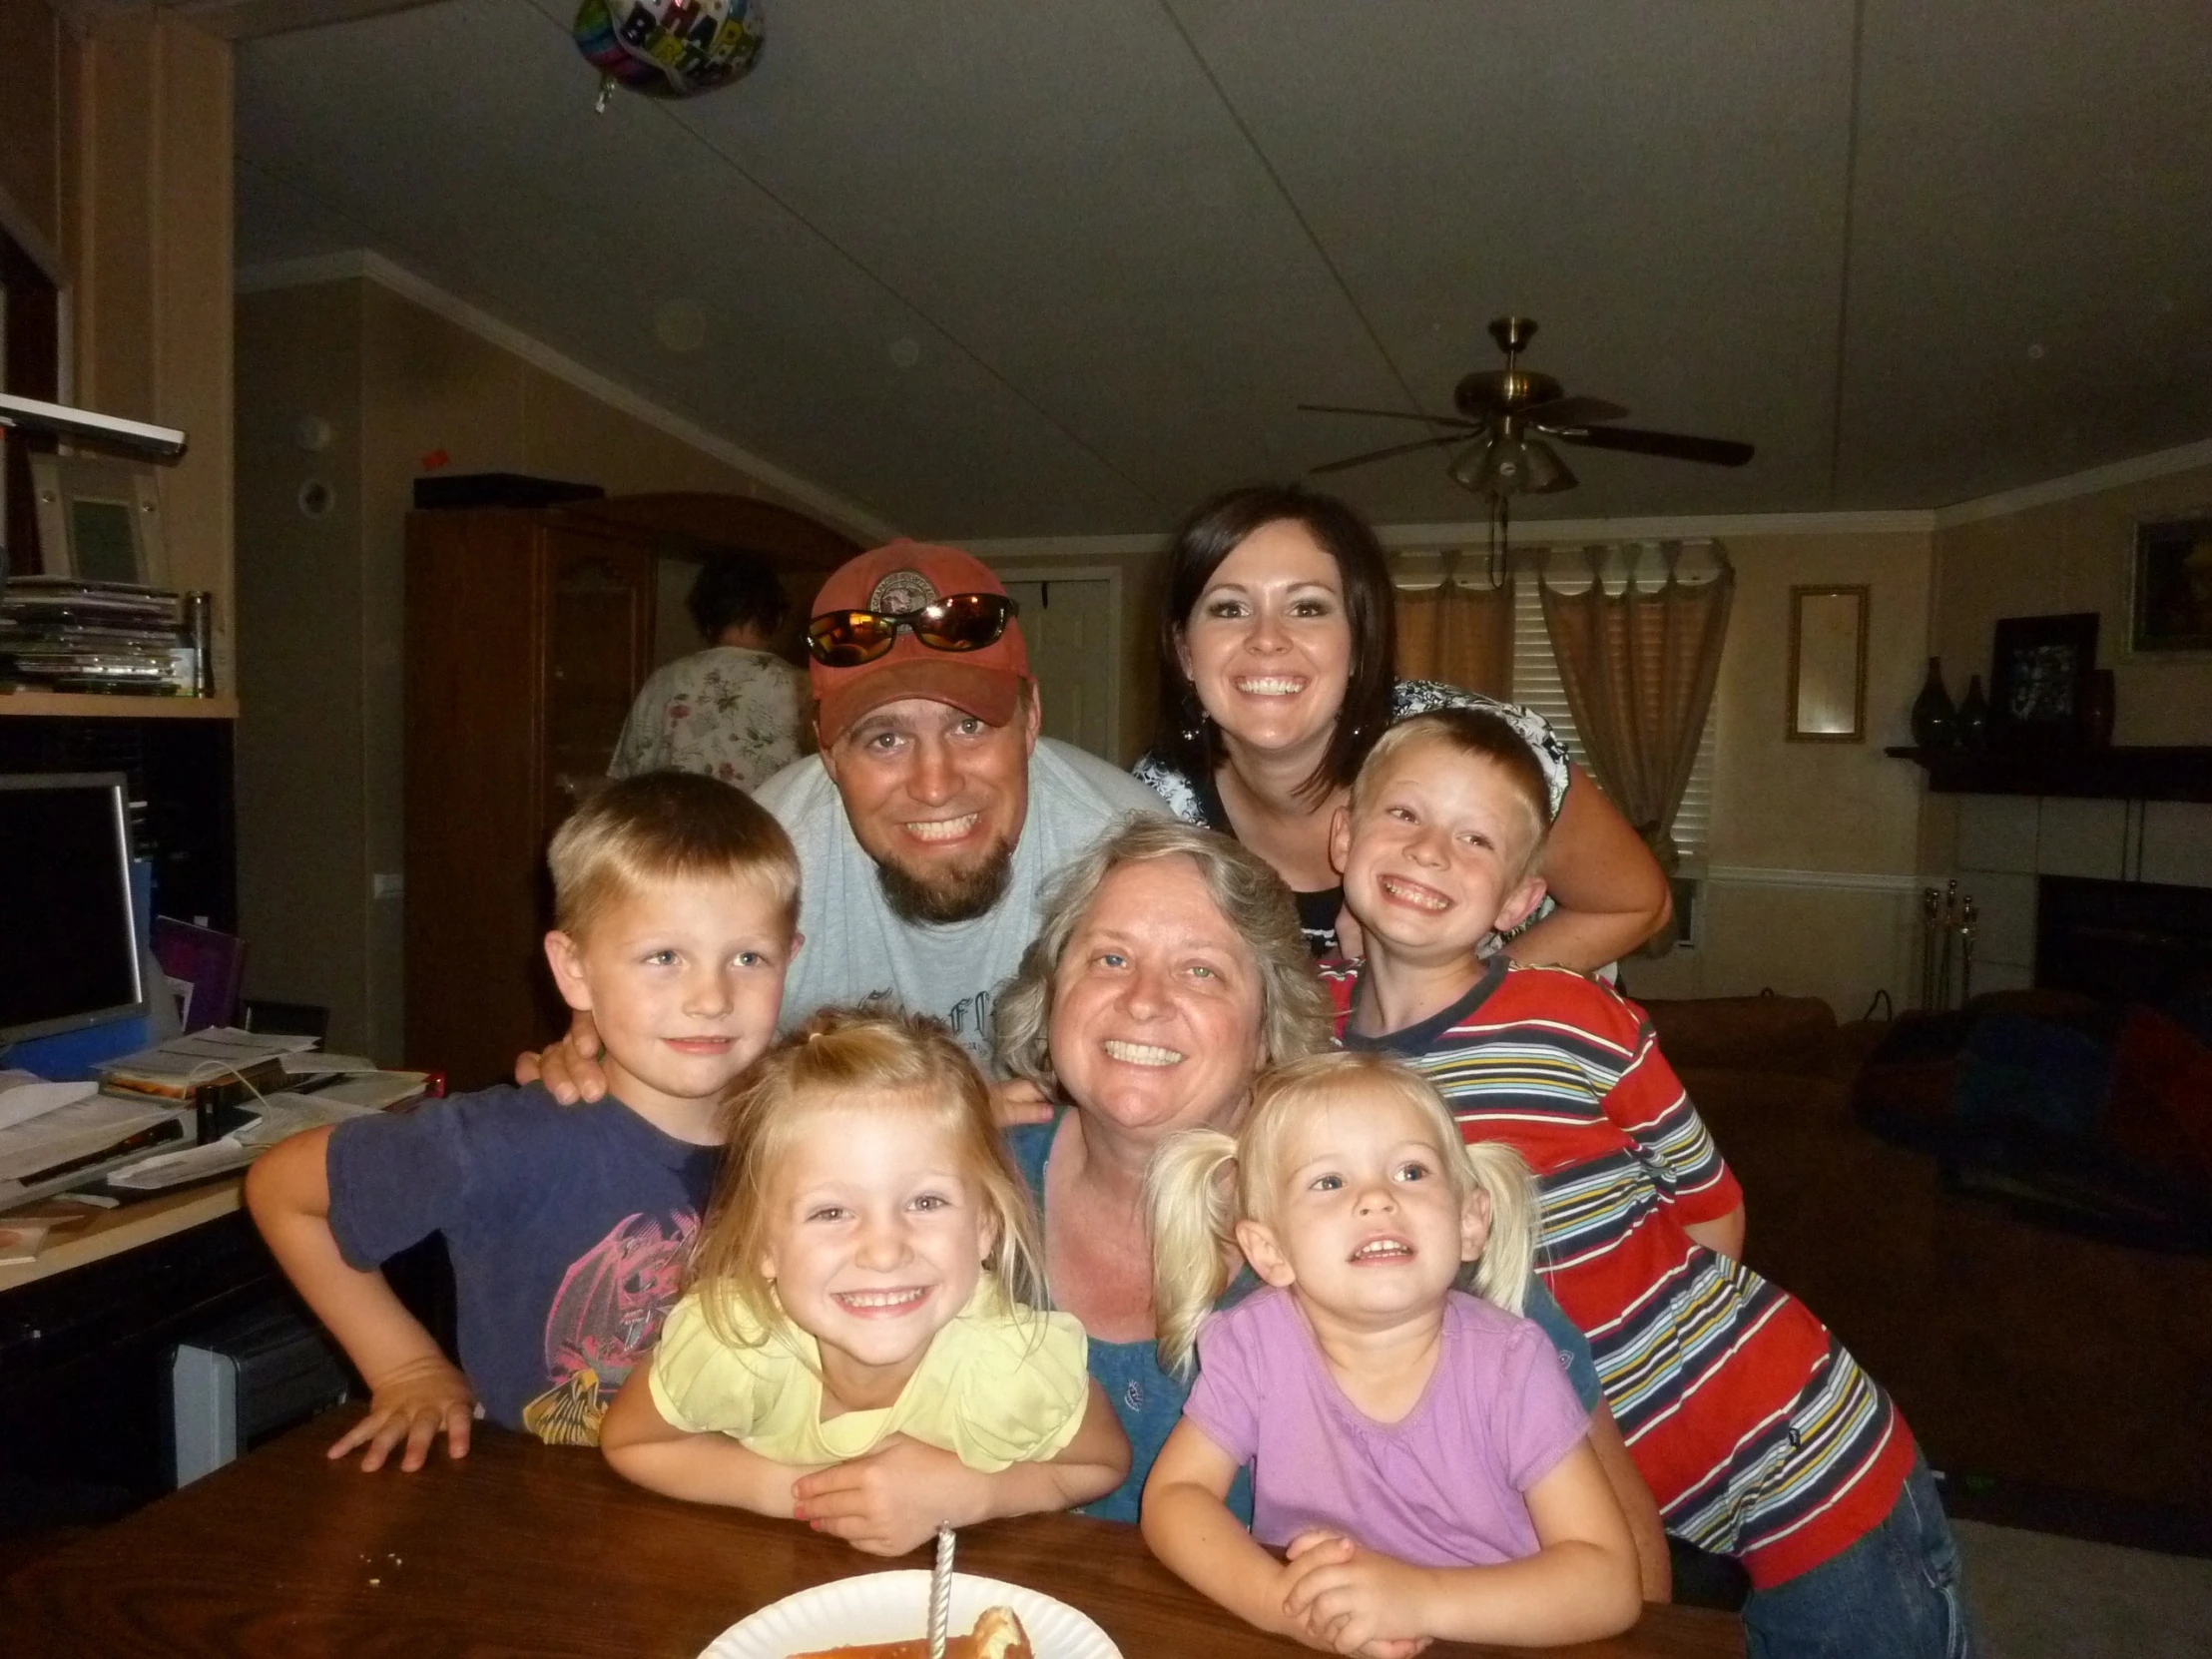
(968,1019)
(605,1317)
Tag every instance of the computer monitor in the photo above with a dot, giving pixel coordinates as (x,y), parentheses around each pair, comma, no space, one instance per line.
(69,955)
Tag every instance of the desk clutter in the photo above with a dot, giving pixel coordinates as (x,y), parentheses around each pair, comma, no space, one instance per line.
(189,1109)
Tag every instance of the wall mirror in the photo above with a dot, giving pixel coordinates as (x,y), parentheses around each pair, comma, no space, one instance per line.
(1827,665)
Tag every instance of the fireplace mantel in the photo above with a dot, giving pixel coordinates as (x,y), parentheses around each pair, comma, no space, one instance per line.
(2141,774)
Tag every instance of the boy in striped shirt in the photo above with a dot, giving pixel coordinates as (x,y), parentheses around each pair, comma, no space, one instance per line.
(1759,1434)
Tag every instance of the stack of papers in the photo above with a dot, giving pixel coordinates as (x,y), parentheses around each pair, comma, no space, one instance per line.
(139,1136)
(24,1097)
(275,1117)
(70,1143)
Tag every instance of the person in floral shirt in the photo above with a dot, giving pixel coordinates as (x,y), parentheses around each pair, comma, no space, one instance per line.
(734,711)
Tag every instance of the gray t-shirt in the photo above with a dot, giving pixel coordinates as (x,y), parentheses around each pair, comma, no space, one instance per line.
(857,950)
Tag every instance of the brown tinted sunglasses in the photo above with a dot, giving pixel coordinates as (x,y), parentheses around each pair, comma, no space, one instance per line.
(957,622)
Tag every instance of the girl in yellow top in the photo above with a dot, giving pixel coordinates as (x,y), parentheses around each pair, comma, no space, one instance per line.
(855,1346)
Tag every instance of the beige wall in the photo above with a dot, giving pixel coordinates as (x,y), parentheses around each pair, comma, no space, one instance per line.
(319,748)
(2074,555)
(301,859)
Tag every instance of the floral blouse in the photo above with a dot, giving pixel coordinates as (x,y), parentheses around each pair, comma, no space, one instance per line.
(730,713)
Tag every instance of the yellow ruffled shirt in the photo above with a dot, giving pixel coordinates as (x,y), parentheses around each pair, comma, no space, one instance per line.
(996,1388)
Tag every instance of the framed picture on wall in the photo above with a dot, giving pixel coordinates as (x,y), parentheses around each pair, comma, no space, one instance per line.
(2039,677)
(2170,609)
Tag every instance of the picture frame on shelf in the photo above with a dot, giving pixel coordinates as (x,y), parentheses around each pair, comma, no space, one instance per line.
(2040,678)
(2170,587)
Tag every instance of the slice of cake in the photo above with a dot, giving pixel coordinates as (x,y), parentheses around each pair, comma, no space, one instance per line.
(998,1635)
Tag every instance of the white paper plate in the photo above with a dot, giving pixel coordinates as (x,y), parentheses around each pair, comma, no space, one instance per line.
(894,1606)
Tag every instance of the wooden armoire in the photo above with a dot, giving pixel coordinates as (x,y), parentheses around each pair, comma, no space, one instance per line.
(529,633)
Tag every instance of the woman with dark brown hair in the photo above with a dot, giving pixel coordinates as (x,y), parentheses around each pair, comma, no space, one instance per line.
(1277,672)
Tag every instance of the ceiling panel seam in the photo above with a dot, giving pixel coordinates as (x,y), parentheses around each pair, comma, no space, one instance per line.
(1297,214)
(1843,272)
(671,115)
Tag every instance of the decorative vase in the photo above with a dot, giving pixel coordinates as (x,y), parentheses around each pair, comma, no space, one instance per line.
(2098,708)
(1934,720)
(1973,716)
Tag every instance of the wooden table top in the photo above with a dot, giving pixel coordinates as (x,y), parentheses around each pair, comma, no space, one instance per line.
(527,1549)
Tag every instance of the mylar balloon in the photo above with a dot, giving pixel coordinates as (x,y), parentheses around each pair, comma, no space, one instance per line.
(669,48)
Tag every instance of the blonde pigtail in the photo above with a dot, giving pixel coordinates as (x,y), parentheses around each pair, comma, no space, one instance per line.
(1501,1274)
(1191,1206)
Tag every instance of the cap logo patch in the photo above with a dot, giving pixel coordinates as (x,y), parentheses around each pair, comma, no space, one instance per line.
(902,593)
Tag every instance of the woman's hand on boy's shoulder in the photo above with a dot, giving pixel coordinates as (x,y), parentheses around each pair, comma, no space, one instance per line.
(569,1069)
(411,1407)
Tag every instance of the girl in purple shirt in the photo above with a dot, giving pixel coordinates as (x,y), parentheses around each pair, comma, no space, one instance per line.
(1417,1453)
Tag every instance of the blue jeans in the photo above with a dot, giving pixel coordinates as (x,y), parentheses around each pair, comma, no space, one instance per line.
(1894,1594)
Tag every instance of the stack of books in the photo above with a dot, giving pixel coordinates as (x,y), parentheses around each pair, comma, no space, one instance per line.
(59,634)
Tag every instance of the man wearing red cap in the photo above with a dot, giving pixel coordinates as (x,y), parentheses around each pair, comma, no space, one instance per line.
(934,818)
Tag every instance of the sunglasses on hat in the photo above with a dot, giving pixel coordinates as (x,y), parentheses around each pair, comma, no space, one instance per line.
(957,622)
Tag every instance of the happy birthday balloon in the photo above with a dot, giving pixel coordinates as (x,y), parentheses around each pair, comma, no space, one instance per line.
(669,48)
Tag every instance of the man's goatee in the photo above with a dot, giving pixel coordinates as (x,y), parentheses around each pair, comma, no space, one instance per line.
(947,895)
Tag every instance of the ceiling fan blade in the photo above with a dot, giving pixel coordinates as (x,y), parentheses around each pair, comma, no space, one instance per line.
(1395,414)
(1675,446)
(1572,411)
(1394,449)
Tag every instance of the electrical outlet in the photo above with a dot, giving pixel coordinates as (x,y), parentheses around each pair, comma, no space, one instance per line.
(386,884)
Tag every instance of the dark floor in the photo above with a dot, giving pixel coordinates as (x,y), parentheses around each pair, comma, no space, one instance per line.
(2061,1383)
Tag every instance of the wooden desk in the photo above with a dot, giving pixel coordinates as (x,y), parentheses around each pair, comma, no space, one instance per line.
(106,1233)
(522,1549)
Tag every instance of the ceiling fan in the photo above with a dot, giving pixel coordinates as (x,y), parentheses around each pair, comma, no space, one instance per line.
(1505,416)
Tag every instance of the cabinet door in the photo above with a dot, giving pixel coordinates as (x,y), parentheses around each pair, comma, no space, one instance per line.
(598,650)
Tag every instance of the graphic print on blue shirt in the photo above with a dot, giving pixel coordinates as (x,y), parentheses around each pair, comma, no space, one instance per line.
(605,1318)
(567,1228)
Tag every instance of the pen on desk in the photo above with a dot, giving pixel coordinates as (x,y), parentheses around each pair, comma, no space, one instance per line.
(167,1130)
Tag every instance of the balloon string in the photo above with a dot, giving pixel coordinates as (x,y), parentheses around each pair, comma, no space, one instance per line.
(606,91)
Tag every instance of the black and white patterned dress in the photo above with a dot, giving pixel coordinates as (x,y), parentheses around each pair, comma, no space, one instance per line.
(1197,801)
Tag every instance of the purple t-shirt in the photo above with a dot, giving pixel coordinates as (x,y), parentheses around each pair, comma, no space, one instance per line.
(1440,1487)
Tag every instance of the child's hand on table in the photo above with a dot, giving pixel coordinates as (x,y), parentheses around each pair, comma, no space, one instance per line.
(414,1404)
(894,1499)
(1349,1599)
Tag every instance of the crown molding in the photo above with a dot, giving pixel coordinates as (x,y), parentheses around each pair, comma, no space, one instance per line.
(1529,533)
(2160,463)
(359,264)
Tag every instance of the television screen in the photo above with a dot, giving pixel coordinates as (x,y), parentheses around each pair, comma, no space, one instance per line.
(68,939)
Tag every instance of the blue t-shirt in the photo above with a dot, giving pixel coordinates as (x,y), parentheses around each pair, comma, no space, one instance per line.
(566,1226)
(1149,1399)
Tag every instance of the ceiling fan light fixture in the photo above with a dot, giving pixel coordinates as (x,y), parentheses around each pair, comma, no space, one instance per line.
(1505,467)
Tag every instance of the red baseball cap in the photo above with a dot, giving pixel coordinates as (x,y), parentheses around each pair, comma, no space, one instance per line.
(905,577)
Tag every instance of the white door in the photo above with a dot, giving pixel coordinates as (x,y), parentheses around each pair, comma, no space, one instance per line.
(1074,645)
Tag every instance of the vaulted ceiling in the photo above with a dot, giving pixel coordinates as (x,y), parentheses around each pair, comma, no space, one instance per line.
(1064,267)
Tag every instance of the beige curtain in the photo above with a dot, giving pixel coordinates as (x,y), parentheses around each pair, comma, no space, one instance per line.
(1638,667)
(1459,631)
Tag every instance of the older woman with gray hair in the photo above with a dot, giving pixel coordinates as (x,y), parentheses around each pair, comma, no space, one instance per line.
(1171,970)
